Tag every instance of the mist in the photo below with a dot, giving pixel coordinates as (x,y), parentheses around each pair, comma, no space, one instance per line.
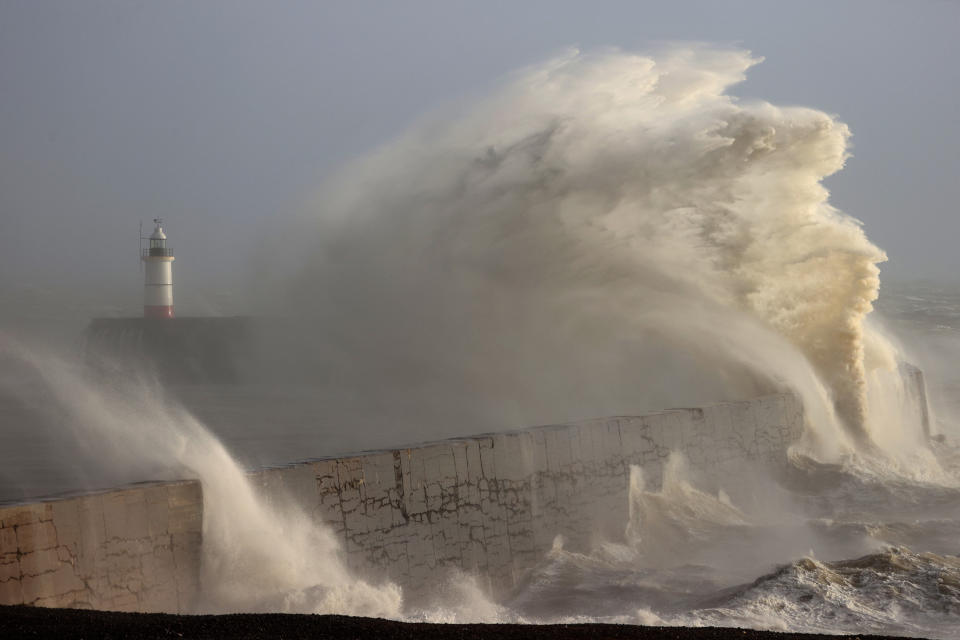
(606,233)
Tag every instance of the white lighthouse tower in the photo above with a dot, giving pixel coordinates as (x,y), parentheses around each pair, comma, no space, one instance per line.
(158,280)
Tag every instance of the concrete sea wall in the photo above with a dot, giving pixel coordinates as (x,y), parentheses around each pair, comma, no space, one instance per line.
(491,505)
(130,549)
(494,504)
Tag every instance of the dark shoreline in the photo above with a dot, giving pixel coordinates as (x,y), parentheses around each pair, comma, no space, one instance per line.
(37,622)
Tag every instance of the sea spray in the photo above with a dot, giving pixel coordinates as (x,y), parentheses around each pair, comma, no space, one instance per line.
(601,232)
(256,556)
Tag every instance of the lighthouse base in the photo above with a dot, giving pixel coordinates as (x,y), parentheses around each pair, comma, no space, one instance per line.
(181,350)
(158,311)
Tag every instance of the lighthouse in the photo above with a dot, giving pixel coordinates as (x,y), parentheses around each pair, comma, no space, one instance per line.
(158,275)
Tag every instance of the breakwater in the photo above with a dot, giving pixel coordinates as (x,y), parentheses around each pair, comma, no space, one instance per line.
(183,350)
(131,549)
(490,505)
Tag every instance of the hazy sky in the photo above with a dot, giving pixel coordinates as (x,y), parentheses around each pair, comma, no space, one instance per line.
(222,116)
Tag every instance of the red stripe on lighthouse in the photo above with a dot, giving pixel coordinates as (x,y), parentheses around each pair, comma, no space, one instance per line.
(158,312)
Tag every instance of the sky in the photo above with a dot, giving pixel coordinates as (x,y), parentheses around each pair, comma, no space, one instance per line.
(222,117)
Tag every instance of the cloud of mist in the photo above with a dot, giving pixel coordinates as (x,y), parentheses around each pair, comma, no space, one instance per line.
(605,233)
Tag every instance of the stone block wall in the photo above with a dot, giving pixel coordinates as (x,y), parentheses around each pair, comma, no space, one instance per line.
(491,505)
(131,549)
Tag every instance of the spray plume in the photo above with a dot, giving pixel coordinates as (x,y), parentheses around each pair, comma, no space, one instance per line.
(602,230)
(258,555)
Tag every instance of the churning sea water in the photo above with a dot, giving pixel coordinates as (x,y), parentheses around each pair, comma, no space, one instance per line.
(853,547)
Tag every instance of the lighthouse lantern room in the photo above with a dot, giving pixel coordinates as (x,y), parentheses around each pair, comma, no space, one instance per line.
(158,274)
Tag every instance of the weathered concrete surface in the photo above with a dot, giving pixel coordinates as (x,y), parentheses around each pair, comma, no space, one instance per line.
(490,504)
(131,549)
(493,504)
